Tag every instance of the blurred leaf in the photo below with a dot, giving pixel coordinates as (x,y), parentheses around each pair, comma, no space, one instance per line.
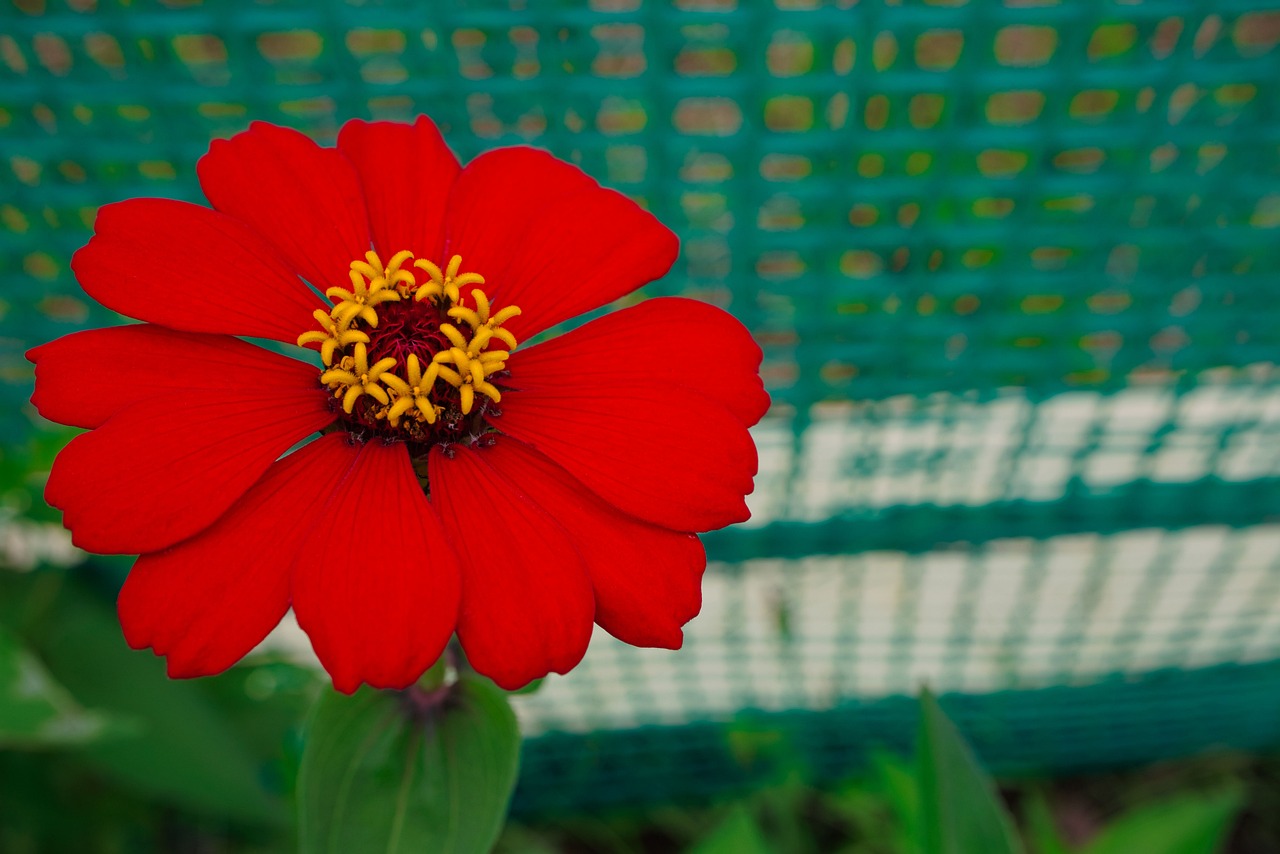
(1041,829)
(531,688)
(961,812)
(266,701)
(25,459)
(185,751)
(899,786)
(1191,824)
(265,698)
(379,774)
(862,817)
(35,711)
(761,748)
(522,840)
(782,809)
(738,834)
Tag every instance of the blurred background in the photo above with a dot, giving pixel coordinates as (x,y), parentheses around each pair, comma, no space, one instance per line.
(1013,269)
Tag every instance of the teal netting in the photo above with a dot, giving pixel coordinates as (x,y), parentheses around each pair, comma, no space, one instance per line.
(1013,270)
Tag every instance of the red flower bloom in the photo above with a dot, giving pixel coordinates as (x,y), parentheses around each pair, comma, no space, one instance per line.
(450,482)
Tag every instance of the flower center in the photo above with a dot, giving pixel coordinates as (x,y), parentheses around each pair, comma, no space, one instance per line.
(413,361)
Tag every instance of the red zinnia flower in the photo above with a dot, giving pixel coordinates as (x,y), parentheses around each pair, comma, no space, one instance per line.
(450,483)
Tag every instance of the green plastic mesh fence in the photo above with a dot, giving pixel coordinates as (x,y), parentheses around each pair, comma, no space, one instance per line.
(1013,269)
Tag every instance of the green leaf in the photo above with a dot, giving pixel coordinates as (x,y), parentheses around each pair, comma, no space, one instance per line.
(738,834)
(381,775)
(1041,829)
(35,711)
(960,809)
(896,783)
(266,700)
(1191,824)
(531,688)
(182,750)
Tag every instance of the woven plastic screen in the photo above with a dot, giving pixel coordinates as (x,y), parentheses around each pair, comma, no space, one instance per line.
(1013,267)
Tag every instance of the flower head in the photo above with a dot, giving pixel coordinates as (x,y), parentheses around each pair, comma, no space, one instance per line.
(417,471)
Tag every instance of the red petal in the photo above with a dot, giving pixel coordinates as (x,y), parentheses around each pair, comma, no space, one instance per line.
(206,602)
(668,341)
(527,604)
(187,267)
(84,378)
(406,172)
(167,468)
(303,198)
(549,239)
(376,585)
(665,454)
(647,579)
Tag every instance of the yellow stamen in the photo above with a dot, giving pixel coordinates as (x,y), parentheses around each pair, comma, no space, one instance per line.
(455,337)
(363,297)
(403,280)
(386,275)
(445,284)
(450,376)
(480,318)
(337,335)
(359,379)
(468,375)
(480,341)
(403,395)
(504,315)
(413,392)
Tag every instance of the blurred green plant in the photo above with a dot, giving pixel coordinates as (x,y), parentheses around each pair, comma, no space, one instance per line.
(1188,824)
(37,711)
(91,729)
(413,771)
(950,806)
(960,812)
(141,762)
(941,802)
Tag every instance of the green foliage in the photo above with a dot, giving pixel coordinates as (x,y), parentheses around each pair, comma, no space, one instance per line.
(894,782)
(174,765)
(1190,824)
(1039,827)
(1186,824)
(24,462)
(382,772)
(738,834)
(35,711)
(532,688)
(960,810)
(209,764)
(184,750)
(948,805)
